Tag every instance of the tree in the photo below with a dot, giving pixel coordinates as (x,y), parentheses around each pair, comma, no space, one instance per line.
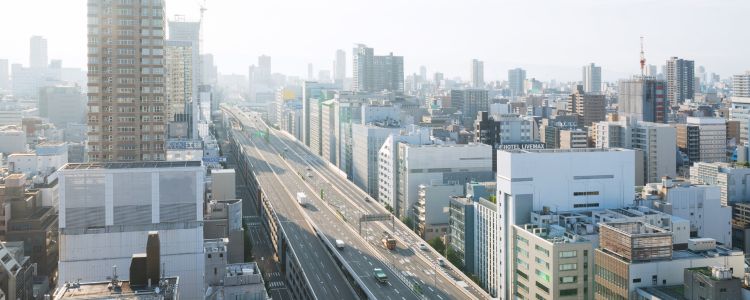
(454,258)
(437,244)
(408,222)
(474,278)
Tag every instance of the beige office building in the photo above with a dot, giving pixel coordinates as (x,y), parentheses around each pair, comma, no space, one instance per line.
(551,263)
(179,81)
(127,105)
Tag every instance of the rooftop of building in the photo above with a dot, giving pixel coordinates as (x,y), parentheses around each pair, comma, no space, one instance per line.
(716,273)
(587,222)
(744,100)
(117,290)
(706,120)
(635,228)
(215,245)
(715,252)
(448,145)
(553,233)
(462,200)
(664,292)
(573,150)
(243,274)
(131,165)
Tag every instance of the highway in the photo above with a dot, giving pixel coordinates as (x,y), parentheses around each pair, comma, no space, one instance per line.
(415,268)
(302,241)
(361,258)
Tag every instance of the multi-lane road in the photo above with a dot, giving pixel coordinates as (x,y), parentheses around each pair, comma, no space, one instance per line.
(304,246)
(336,208)
(281,183)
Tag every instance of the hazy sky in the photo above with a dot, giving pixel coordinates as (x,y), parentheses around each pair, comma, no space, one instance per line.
(551,38)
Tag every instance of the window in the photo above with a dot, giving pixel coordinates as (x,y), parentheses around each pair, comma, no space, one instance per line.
(568,292)
(568,279)
(580,205)
(542,250)
(543,276)
(589,193)
(522,274)
(542,287)
(568,267)
(568,254)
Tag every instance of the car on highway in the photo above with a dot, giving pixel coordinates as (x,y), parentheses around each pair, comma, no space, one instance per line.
(379,275)
(340,244)
(423,247)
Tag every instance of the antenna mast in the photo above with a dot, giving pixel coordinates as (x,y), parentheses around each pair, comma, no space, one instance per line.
(203,8)
(643,59)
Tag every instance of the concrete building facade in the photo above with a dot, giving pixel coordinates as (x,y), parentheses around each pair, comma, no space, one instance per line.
(582,179)
(107,211)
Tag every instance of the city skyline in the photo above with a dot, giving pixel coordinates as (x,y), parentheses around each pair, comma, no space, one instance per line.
(553,49)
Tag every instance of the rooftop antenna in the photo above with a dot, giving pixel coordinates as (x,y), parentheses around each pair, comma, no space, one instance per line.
(643,59)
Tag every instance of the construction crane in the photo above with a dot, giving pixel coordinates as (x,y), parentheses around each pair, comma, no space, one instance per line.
(643,59)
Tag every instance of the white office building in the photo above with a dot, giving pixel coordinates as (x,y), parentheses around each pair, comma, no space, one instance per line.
(700,204)
(388,163)
(366,142)
(563,180)
(328,142)
(107,211)
(656,142)
(425,164)
(703,139)
(12,139)
(731,181)
(487,244)
(741,85)
(46,158)
(740,111)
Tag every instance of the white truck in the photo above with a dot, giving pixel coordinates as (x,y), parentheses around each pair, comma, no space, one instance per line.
(340,244)
(302,199)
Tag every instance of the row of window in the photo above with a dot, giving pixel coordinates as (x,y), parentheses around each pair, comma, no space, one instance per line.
(589,193)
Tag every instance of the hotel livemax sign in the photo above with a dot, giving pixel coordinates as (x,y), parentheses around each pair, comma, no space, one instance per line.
(523,146)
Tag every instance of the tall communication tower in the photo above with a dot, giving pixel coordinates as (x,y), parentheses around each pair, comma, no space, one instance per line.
(643,59)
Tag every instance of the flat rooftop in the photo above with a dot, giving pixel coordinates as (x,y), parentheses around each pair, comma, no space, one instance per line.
(573,150)
(635,228)
(718,251)
(103,290)
(132,165)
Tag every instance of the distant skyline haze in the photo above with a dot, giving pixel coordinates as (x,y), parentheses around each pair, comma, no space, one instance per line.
(550,39)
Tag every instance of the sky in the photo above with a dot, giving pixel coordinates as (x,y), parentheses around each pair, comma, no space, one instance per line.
(552,39)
